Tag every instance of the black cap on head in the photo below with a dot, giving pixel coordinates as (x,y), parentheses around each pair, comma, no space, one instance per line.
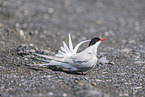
(93,41)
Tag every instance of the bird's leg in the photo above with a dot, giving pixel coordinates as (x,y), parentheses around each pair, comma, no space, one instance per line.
(82,73)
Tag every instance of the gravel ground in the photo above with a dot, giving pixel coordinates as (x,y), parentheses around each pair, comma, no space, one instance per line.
(43,25)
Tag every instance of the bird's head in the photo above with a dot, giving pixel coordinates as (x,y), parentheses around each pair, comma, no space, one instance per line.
(95,41)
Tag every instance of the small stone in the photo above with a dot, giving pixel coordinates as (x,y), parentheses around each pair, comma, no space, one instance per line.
(98,80)
(116,85)
(138,87)
(126,94)
(124,41)
(24,26)
(36,31)
(136,23)
(131,41)
(26,59)
(46,16)
(5,3)
(31,45)
(93,83)
(21,32)
(126,50)
(113,41)
(99,22)
(95,93)
(50,93)
(103,60)
(40,94)
(48,76)
(139,62)
(17,25)
(42,36)
(31,33)
(107,33)
(2,87)
(50,10)
(112,33)
(64,94)
(1,25)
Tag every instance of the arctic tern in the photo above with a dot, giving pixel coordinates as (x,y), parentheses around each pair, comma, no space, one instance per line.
(68,57)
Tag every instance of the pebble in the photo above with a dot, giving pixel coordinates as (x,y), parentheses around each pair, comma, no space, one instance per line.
(126,94)
(99,22)
(48,76)
(124,41)
(31,45)
(139,62)
(40,94)
(50,93)
(46,16)
(116,85)
(42,36)
(5,3)
(131,41)
(2,67)
(95,93)
(138,87)
(26,59)
(98,80)
(24,25)
(107,33)
(126,50)
(112,33)
(103,60)
(123,94)
(36,32)
(31,33)
(17,25)
(93,83)
(50,10)
(21,32)
(64,94)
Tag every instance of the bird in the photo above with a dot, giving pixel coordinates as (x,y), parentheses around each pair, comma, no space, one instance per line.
(68,56)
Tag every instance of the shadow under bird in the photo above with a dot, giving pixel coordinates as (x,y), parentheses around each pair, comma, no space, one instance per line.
(68,57)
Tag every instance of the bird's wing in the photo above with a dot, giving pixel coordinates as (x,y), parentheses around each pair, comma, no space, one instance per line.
(82,59)
(79,62)
(76,59)
(78,45)
(66,51)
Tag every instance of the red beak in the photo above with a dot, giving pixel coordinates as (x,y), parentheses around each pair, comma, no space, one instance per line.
(102,39)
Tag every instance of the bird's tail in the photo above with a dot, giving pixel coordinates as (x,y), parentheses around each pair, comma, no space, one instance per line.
(49,57)
(47,60)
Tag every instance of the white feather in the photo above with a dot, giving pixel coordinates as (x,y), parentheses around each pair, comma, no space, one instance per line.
(62,49)
(49,57)
(65,47)
(70,44)
(60,52)
(66,51)
(78,45)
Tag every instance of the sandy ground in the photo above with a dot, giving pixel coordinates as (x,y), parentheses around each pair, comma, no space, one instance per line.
(43,25)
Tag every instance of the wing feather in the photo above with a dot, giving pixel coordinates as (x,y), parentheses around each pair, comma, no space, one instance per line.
(66,47)
(70,43)
(78,45)
(66,51)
